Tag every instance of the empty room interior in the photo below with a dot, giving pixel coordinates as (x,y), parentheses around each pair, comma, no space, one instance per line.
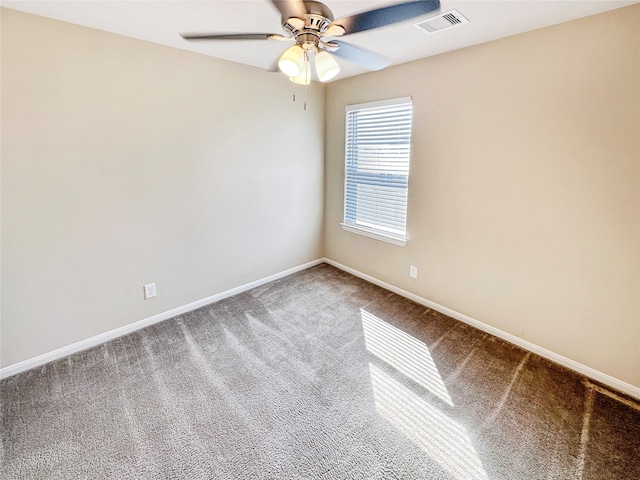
(298,240)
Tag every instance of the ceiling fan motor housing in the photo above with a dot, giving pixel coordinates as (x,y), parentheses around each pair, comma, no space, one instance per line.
(317,19)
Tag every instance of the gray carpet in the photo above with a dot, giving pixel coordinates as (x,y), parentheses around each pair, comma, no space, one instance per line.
(319,375)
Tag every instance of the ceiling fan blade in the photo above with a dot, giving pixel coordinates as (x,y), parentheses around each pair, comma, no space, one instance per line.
(234,36)
(290,8)
(385,16)
(358,55)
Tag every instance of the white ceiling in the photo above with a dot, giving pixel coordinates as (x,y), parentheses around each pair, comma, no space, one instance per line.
(162,21)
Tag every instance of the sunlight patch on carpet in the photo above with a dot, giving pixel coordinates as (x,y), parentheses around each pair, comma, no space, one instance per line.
(440,437)
(406,354)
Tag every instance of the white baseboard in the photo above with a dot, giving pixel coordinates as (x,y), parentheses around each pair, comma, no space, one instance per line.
(592,373)
(603,378)
(118,332)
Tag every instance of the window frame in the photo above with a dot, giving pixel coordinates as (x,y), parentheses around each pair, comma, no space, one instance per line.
(372,232)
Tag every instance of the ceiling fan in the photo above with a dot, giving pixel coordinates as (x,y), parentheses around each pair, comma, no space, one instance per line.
(308,22)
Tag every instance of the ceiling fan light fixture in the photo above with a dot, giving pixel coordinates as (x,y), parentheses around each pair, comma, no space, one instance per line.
(303,79)
(326,66)
(291,62)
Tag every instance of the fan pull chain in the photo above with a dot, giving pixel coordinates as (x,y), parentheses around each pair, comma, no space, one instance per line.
(307,70)
(307,75)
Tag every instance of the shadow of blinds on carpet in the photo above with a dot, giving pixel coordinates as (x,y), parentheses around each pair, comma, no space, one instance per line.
(436,433)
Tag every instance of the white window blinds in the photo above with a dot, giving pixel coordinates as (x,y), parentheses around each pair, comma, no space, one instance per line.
(377,147)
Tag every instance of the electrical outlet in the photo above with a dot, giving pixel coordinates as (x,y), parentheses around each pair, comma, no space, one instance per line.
(149,291)
(413,271)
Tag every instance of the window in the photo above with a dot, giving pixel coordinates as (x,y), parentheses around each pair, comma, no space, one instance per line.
(377,144)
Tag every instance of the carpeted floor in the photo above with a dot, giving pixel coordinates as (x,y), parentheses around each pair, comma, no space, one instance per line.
(319,375)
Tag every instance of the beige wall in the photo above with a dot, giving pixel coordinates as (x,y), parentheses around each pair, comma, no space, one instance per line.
(524,201)
(125,163)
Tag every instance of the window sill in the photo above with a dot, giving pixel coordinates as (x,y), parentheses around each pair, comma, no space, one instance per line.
(373,234)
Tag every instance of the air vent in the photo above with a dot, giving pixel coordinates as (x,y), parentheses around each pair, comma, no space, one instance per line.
(445,20)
